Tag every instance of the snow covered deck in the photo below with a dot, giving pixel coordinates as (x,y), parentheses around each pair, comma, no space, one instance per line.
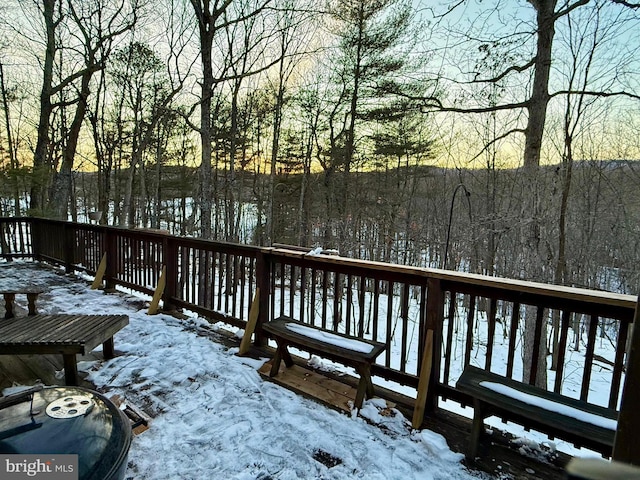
(475,319)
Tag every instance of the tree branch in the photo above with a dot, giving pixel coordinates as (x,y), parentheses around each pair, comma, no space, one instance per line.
(514,68)
(569,9)
(626,4)
(433,104)
(595,94)
(92,68)
(496,140)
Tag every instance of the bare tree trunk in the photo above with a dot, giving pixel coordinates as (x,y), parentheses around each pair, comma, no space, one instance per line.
(61,188)
(206,25)
(13,162)
(275,147)
(41,161)
(128,208)
(537,110)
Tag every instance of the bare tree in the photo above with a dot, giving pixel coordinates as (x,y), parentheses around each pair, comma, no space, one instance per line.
(11,152)
(213,18)
(293,37)
(94,26)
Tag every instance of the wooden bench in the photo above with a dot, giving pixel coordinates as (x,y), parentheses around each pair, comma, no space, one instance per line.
(352,351)
(68,335)
(9,295)
(582,423)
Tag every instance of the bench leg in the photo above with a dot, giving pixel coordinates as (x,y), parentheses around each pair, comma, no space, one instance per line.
(32,297)
(8,304)
(70,369)
(275,366)
(286,356)
(362,387)
(477,429)
(281,354)
(365,386)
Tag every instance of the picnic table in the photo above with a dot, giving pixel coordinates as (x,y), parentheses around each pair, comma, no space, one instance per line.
(68,335)
(9,295)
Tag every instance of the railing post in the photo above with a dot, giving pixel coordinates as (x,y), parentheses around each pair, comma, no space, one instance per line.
(35,230)
(69,247)
(170,254)
(112,252)
(435,319)
(625,446)
(4,233)
(263,281)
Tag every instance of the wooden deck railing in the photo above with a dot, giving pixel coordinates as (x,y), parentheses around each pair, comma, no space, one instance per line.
(474,318)
(471,316)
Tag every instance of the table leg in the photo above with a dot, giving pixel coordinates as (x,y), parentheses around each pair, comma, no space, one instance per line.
(108,350)
(32,297)
(8,304)
(70,369)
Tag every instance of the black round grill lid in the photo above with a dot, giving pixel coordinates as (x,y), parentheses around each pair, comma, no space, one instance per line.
(68,420)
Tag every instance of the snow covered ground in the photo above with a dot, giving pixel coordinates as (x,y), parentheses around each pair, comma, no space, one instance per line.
(215,417)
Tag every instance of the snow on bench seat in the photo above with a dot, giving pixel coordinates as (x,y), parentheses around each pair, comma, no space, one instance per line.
(352,351)
(331,338)
(584,424)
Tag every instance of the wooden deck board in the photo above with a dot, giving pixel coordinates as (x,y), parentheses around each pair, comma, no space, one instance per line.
(312,384)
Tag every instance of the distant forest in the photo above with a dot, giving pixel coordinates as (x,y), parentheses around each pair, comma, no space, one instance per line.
(411,215)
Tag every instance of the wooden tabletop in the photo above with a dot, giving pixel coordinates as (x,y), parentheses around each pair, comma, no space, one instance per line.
(57,333)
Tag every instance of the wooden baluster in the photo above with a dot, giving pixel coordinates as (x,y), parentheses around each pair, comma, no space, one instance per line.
(404,309)
(449,345)
(537,344)
(618,364)
(376,308)
(337,301)
(491,333)
(513,332)
(588,358)
(348,304)
(243,276)
(390,286)
(325,297)
(312,297)
(233,288)
(282,276)
(469,341)
(303,285)
(562,348)
(361,305)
